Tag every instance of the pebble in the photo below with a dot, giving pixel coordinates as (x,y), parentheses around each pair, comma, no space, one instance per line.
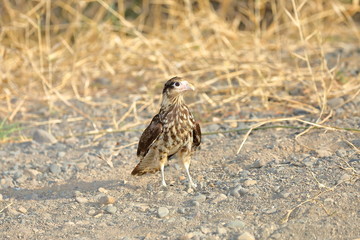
(239,191)
(32,172)
(221,230)
(200,198)
(205,230)
(335,102)
(195,203)
(345,177)
(284,194)
(356,142)
(110,209)
(91,212)
(341,153)
(1,197)
(42,136)
(235,224)
(163,212)
(61,154)
(54,168)
(249,182)
(219,198)
(81,165)
(106,199)
(81,199)
(246,236)
(259,163)
(324,153)
(12,211)
(213,127)
(181,210)
(22,210)
(103,190)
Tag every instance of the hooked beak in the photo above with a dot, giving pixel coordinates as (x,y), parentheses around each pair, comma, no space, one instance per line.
(186,86)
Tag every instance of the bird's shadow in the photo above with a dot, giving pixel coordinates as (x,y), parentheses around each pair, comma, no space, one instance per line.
(58,191)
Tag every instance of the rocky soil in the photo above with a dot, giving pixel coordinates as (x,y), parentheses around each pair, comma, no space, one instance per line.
(276,188)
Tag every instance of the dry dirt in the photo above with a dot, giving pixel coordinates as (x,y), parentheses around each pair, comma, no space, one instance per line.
(276,188)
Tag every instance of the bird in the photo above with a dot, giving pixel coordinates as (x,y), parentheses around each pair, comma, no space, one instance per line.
(171,132)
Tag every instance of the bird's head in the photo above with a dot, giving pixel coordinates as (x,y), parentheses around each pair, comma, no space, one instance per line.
(176,86)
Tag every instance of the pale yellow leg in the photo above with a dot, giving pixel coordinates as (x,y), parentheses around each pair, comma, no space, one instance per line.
(162,165)
(191,183)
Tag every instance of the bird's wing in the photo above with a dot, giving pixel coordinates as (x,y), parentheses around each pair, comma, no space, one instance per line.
(144,151)
(196,135)
(147,164)
(149,136)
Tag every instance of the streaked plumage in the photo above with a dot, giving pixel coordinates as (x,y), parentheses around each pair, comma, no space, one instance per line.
(173,131)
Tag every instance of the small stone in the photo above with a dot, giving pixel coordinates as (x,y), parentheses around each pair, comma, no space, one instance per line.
(31,172)
(103,190)
(205,230)
(12,211)
(105,200)
(324,153)
(1,197)
(54,168)
(330,200)
(335,102)
(284,194)
(110,209)
(195,203)
(200,198)
(235,224)
(81,199)
(249,182)
(213,127)
(81,165)
(61,154)
(356,142)
(341,153)
(246,236)
(239,191)
(221,230)
(91,212)
(345,177)
(270,211)
(163,212)
(22,210)
(77,194)
(219,198)
(42,136)
(259,163)
(181,210)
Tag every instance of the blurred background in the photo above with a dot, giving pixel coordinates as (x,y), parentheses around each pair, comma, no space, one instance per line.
(65,58)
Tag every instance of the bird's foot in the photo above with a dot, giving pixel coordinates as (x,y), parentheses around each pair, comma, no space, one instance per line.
(163,184)
(192,185)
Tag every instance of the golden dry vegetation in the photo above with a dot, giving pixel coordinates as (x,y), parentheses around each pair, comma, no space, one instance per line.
(234,52)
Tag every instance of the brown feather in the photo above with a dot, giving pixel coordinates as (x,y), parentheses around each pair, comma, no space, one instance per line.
(196,135)
(149,136)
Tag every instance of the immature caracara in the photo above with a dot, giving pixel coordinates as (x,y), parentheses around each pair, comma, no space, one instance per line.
(172,131)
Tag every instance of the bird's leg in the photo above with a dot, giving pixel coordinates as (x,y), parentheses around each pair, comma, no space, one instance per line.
(184,155)
(186,166)
(163,183)
(163,160)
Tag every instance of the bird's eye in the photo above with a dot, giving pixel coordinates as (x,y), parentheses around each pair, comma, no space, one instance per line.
(176,84)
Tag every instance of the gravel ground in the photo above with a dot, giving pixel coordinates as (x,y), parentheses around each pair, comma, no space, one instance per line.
(275,188)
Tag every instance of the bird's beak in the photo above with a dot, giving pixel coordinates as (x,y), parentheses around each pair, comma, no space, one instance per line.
(187,86)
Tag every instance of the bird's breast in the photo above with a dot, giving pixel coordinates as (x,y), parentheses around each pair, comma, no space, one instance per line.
(177,129)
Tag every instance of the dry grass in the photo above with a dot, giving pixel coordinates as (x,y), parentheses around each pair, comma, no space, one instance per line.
(234,52)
